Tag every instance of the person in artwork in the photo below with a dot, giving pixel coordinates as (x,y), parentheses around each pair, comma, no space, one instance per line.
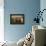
(18,20)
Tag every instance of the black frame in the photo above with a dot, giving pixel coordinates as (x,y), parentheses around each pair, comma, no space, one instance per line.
(15,20)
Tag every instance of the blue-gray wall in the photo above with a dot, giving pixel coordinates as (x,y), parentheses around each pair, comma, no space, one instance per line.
(26,7)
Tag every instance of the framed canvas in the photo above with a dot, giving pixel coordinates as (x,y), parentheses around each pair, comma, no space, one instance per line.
(16,18)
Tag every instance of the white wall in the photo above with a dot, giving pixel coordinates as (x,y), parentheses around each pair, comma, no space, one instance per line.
(1,20)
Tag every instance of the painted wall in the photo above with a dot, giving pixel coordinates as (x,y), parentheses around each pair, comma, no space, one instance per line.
(26,7)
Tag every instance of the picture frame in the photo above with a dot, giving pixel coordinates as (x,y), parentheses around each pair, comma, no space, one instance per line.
(16,18)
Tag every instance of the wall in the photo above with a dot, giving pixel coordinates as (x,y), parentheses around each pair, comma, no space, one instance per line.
(26,7)
(1,21)
(43,6)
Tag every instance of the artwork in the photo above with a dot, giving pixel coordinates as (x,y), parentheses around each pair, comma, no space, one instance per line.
(16,18)
(39,16)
